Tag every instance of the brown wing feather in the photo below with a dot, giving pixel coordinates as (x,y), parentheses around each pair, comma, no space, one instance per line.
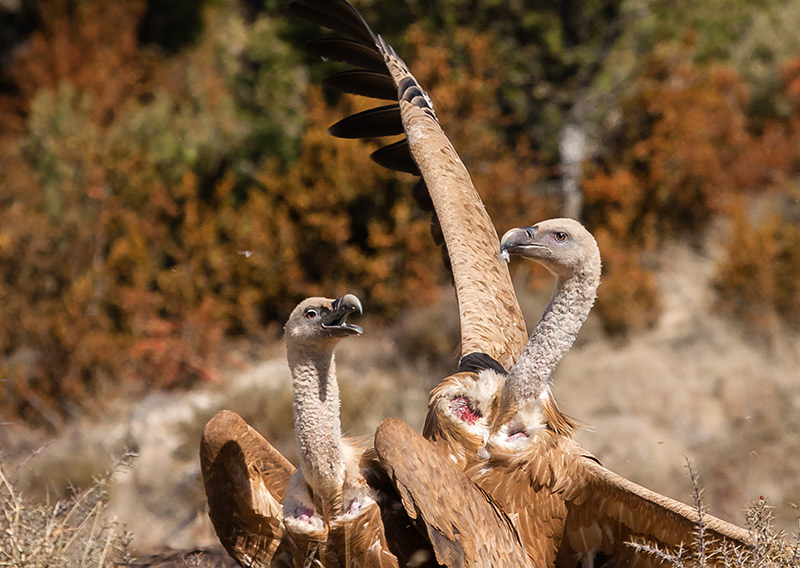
(526,487)
(604,502)
(245,480)
(465,526)
(570,508)
(491,319)
(359,540)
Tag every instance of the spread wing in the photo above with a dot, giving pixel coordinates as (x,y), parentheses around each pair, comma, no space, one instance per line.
(491,319)
(245,480)
(571,510)
(600,501)
(465,526)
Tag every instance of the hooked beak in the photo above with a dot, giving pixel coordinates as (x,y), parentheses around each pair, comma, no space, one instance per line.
(517,241)
(341,308)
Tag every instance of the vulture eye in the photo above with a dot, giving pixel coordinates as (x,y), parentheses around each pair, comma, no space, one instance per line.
(561,236)
(311,313)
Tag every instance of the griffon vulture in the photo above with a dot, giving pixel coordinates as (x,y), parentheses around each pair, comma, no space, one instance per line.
(348,504)
(570,509)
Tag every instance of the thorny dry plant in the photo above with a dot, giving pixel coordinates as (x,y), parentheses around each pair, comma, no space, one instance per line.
(771,548)
(75,531)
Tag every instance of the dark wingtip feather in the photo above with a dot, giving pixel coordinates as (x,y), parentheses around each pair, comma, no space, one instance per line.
(421,195)
(372,123)
(396,157)
(346,50)
(337,15)
(363,82)
(477,362)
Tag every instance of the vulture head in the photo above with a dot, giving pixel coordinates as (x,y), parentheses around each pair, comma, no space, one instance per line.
(322,321)
(563,246)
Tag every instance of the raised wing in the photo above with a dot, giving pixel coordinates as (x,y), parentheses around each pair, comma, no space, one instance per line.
(245,480)
(571,511)
(600,502)
(465,526)
(491,319)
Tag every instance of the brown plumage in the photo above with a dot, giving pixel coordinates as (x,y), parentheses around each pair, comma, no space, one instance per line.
(347,505)
(468,527)
(245,480)
(570,510)
(493,330)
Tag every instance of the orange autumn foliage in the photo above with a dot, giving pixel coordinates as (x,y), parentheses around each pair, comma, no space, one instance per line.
(132,249)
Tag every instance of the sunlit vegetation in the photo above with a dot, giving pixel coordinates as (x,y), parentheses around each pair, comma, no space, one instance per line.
(162,192)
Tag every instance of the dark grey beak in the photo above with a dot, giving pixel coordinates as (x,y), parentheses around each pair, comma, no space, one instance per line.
(515,240)
(340,309)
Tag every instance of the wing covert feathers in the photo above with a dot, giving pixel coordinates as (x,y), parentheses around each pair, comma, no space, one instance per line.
(569,507)
(646,512)
(464,524)
(359,540)
(491,319)
(245,480)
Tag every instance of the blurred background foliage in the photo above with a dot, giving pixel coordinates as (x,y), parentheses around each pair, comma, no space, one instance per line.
(167,183)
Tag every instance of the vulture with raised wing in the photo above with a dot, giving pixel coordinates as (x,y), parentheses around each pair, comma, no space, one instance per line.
(571,510)
(493,330)
(347,505)
(577,510)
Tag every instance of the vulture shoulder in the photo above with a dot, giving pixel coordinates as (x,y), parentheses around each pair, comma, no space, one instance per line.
(245,480)
(457,419)
(491,319)
(464,524)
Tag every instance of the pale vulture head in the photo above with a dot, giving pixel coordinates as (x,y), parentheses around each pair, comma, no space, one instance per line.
(563,246)
(321,322)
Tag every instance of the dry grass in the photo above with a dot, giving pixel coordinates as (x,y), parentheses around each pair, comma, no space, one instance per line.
(75,531)
(772,549)
(78,531)
(693,385)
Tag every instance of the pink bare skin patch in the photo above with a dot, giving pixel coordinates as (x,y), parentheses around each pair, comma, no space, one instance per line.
(354,507)
(306,514)
(518,435)
(461,407)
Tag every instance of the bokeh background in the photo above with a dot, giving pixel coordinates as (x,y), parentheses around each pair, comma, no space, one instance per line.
(168,193)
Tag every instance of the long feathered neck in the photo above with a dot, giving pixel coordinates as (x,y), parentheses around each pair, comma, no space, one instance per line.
(318,429)
(553,336)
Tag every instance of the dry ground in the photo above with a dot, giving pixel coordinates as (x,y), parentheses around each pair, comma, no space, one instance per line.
(696,386)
